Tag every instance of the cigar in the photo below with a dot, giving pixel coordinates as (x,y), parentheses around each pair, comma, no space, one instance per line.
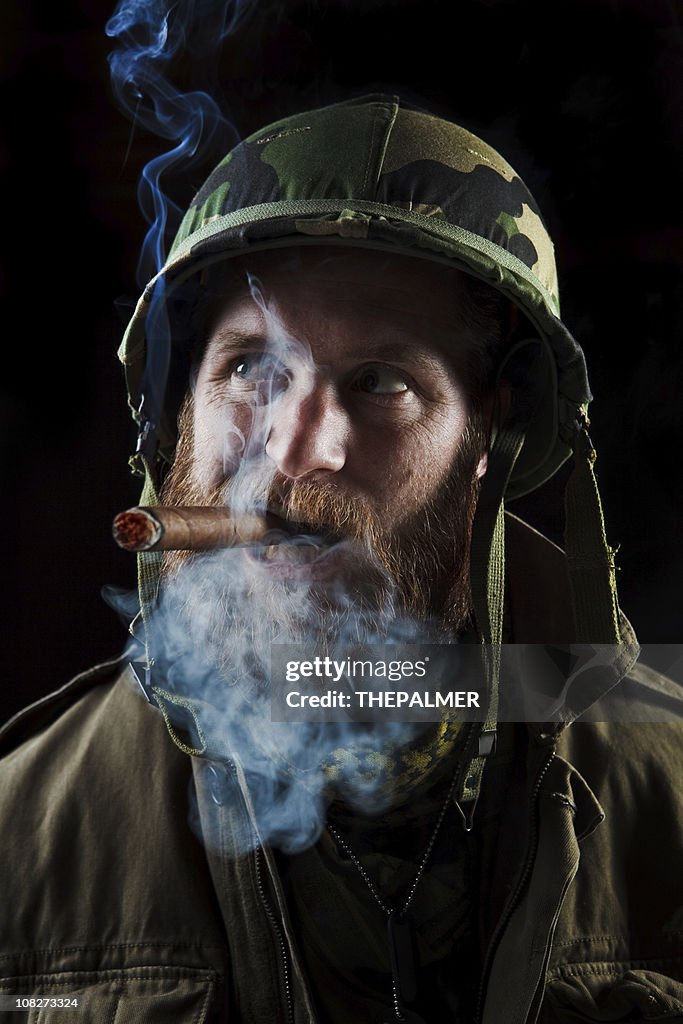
(191,528)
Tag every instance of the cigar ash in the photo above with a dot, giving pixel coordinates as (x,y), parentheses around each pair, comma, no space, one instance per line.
(135,530)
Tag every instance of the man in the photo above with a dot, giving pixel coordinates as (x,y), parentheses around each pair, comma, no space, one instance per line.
(356,333)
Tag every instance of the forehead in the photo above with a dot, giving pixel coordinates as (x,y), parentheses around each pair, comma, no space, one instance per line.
(318,290)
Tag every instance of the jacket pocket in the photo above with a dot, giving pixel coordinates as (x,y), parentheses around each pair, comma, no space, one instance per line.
(137,995)
(613,992)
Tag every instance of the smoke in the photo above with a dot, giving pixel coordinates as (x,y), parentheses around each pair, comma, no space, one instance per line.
(151,35)
(212,637)
(155,37)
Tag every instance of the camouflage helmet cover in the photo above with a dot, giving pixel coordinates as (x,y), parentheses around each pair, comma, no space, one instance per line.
(372,172)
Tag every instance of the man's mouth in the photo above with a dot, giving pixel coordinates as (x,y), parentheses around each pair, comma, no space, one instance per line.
(304,546)
(304,530)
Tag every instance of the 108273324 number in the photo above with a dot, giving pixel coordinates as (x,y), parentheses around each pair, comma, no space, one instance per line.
(39,1002)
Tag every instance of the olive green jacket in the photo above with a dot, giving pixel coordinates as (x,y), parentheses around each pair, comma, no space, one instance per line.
(110,896)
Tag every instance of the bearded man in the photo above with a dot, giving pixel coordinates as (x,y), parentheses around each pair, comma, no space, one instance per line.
(355,341)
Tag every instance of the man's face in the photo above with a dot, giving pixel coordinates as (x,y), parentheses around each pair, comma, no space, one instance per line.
(333,384)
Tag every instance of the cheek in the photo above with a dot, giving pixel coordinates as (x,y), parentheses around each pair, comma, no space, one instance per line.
(444,435)
(223,433)
(404,469)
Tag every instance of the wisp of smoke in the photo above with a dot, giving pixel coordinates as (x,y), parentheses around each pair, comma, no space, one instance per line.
(151,34)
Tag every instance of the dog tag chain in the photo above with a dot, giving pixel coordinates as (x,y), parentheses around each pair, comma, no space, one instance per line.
(400,928)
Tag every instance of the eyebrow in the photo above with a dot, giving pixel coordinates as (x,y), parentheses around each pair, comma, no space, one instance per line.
(232,337)
(399,352)
(406,354)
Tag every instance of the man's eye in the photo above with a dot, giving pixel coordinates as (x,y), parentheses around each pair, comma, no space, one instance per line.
(260,369)
(380,380)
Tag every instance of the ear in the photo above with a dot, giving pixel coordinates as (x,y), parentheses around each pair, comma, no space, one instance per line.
(494,410)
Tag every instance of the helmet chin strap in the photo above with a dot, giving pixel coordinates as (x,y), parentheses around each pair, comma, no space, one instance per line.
(149,567)
(590,559)
(590,563)
(487,570)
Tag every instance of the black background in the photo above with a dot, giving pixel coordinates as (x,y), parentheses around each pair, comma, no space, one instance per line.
(583,97)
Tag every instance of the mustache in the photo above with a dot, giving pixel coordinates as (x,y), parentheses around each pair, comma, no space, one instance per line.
(318,507)
(312,505)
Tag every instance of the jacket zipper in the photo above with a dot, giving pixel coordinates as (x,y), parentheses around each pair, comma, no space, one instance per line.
(270,913)
(503,923)
(272,917)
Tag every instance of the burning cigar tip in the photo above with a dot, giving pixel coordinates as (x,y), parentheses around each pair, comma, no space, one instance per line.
(136,529)
(191,528)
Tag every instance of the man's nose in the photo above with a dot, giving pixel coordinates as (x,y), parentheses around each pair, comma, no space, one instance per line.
(309,431)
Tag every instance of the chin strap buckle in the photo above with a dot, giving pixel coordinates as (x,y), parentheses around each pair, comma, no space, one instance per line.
(147,433)
(487,742)
(142,673)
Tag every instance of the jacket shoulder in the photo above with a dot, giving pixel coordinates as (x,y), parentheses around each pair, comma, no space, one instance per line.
(42,713)
(644,695)
(654,686)
(628,746)
(99,720)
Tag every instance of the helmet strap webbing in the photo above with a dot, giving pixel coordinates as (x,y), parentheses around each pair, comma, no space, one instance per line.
(149,578)
(149,567)
(487,571)
(590,559)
